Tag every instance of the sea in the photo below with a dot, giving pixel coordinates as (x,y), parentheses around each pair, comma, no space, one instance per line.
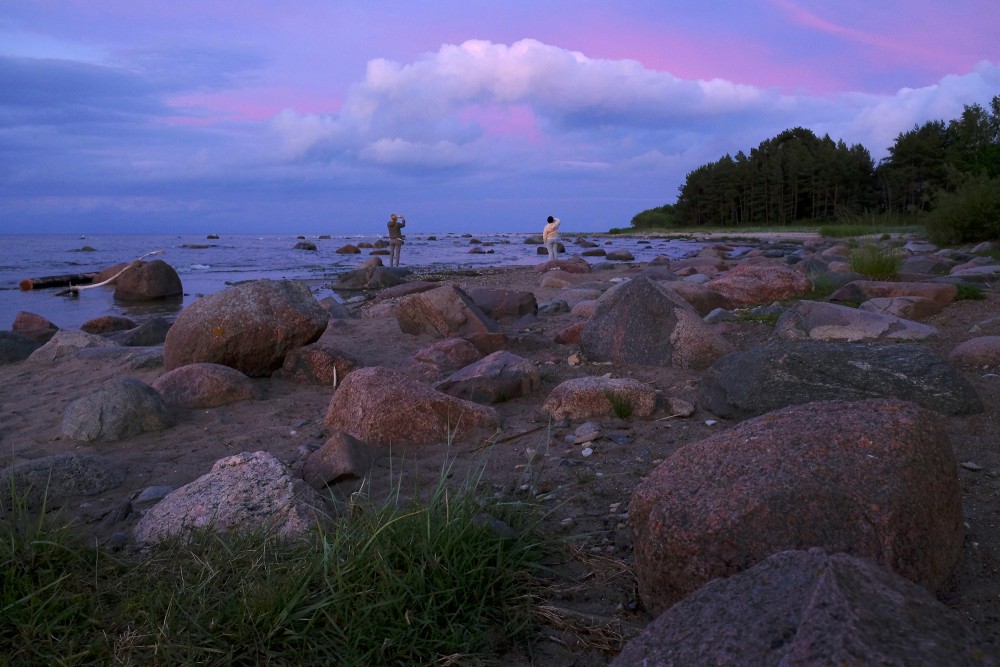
(207,264)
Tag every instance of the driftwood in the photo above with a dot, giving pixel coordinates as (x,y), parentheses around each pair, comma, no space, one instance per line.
(29,284)
(74,290)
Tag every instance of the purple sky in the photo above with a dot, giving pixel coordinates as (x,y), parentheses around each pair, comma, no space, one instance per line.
(324,116)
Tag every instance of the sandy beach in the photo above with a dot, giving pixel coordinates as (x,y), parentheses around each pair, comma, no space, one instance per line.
(586,497)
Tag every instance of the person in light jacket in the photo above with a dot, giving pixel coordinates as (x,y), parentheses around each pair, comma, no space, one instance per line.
(550,237)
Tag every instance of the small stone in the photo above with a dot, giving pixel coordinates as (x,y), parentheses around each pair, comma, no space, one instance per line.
(972,465)
(531,455)
(574,360)
(589,437)
(710,422)
(586,451)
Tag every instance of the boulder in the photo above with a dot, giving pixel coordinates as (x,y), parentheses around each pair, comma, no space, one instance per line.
(372,275)
(149,333)
(573,264)
(248,492)
(863,290)
(65,344)
(305,245)
(641,322)
(764,378)
(51,481)
(504,305)
(701,298)
(106,324)
(443,313)
(382,406)
(249,327)
(205,386)
(406,289)
(595,397)
(342,457)
(751,284)
(496,378)
(116,411)
(981,351)
(570,335)
(807,607)
(441,357)
(819,320)
(149,281)
(620,255)
(336,309)
(14,347)
(33,326)
(348,249)
(318,363)
(905,307)
(876,479)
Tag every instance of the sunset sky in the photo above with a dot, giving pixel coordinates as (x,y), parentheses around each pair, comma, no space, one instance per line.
(322,117)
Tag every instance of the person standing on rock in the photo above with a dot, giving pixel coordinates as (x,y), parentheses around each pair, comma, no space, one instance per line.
(395,224)
(550,237)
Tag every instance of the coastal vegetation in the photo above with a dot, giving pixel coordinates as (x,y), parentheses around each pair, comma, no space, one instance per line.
(402,582)
(942,176)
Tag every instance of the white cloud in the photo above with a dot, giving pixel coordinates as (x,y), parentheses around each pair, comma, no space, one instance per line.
(552,108)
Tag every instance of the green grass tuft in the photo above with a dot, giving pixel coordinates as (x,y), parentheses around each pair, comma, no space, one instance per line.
(620,405)
(875,262)
(969,293)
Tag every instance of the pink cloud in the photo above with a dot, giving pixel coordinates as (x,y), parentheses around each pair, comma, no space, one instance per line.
(507,120)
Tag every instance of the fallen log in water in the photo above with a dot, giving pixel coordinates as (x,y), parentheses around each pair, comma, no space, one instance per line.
(29,284)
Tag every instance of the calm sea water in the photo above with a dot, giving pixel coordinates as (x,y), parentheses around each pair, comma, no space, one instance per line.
(207,266)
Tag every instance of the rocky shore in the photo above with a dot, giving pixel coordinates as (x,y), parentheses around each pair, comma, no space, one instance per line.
(696,428)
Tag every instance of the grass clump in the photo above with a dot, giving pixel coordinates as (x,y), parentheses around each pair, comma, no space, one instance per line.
(769,318)
(402,582)
(968,292)
(875,262)
(620,405)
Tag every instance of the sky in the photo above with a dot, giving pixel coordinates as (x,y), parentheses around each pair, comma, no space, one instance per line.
(325,116)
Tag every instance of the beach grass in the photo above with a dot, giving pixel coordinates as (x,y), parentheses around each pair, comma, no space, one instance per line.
(875,262)
(431,581)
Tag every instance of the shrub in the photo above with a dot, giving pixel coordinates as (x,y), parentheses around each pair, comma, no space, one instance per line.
(968,215)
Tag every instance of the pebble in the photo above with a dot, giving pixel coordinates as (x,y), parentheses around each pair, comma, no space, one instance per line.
(972,465)
(710,422)
(586,451)
(589,437)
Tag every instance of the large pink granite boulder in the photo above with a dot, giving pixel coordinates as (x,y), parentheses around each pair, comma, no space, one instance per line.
(205,386)
(443,312)
(595,397)
(148,281)
(33,326)
(864,290)
(750,284)
(318,363)
(808,608)
(443,356)
(382,406)
(246,492)
(249,327)
(981,351)
(641,322)
(874,478)
(495,378)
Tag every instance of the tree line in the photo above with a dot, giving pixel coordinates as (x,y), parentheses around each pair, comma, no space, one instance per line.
(798,176)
